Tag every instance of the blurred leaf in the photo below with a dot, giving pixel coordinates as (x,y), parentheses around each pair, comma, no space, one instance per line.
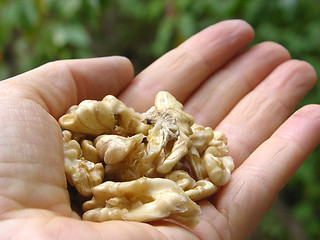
(186,26)
(265,232)
(182,5)
(133,8)
(94,5)
(29,13)
(72,34)
(155,9)
(303,211)
(3,72)
(68,9)
(9,14)
(163,37)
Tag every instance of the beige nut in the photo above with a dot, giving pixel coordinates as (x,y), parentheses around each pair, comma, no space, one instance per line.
(218,168)
(89,152)
(196,190)
(179,149)
(208,155)
(102,117)
(72,149)
(201,136)
(169,139)
(166,104)
(202,190)
(164,101)
(128,121)
(136,165)
(182,178)
(219,142)
(195,163)
(115,148)
(200,139)
(218,165)
(81,174)
(144,200)
(126,158)
(90,117)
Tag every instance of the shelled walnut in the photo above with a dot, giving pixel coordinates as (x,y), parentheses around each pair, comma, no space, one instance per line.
(142,167)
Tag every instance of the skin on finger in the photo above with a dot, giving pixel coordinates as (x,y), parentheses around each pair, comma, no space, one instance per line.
(58,85)
(221,92)
(212,225)
(31,156)
(255,184)
(262,111)
(43,224)
(183,69)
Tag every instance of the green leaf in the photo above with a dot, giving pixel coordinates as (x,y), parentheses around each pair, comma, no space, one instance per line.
(29,13)
(155,9)
(70,34)
(186,26)
(163,37)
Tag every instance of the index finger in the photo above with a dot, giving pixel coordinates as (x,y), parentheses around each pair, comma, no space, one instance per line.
(183,69)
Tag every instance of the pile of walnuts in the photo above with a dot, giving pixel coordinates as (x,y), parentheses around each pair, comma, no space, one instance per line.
(142,167)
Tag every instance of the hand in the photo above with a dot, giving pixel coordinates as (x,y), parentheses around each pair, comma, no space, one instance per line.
(249,95)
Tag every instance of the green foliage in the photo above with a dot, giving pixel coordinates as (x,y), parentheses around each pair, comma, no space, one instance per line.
(33,32)
(272,228)
(303,194)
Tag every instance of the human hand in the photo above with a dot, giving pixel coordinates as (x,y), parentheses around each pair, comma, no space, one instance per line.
(248,95)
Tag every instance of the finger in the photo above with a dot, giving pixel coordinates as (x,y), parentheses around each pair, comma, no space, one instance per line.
(218,95)
(31,158)
(262,111)
(255,184)
(31,155)
(58,85)
(183,69)
(44,223)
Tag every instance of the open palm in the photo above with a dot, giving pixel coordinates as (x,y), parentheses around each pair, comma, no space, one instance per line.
(249,95)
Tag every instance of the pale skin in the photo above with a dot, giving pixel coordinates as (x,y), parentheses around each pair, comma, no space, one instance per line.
(250,95)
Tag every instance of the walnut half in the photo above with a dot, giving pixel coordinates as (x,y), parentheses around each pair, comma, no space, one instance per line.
(144,199)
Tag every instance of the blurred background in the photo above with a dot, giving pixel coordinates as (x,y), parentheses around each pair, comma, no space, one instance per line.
(33,32)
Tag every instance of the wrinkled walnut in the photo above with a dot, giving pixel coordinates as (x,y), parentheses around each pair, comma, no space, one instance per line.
(196,190)
(81,173)
(144,199)
(142,167)
(208,155)
(95,118)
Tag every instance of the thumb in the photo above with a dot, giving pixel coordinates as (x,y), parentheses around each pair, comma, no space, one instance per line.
(58,85)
